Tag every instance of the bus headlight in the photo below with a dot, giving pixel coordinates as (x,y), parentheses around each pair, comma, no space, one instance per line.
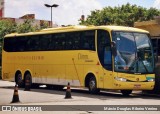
(120,79)
(151,80)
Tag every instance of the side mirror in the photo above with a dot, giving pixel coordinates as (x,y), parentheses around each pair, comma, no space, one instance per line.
(113,47)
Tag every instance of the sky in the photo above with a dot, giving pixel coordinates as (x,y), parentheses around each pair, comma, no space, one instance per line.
(69,11)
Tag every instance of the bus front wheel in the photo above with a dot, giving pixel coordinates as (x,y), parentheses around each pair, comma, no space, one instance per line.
(126,92)
(93,86)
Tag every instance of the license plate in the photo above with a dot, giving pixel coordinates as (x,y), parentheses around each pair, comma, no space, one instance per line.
(137,86)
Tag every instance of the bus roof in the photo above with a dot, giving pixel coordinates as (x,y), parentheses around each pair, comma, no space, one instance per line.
(124,28)
(78,28)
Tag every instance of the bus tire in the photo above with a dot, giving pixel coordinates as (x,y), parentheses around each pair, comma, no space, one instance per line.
(58,87)
(48,86)
(126,92)
(157,80)
(93,85)
(29,78)
(34,85)
(18,80)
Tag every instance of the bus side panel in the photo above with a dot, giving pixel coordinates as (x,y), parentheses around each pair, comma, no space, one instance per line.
(74,75)
(90,65)
(100,78)
(7,67)
(8,72)
(57,59)
(43,74)
(60,74)
(74,68)
(50,74)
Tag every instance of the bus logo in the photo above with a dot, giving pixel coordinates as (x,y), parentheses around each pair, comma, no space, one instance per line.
(137,79)
(82,56)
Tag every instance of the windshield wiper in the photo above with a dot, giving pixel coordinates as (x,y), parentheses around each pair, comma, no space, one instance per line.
(139,60)
(145,67)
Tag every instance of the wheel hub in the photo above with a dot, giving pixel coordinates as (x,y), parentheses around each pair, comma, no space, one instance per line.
(92,85)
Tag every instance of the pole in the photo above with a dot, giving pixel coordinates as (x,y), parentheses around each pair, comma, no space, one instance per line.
(51,6)
(51,17)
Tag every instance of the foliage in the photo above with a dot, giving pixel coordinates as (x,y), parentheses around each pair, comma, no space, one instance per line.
(26,27)
(125,15)
(6,27)
(9,26)
(44,25)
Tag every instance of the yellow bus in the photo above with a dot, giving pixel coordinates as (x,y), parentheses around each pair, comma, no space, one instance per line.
(96,57)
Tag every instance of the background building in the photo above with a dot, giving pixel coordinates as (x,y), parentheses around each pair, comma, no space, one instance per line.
(20,20)
(152,26)
(35,22)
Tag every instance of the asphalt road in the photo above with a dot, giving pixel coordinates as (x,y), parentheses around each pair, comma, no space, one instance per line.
(44,96)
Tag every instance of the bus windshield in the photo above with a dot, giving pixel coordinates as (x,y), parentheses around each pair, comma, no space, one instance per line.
(134,52)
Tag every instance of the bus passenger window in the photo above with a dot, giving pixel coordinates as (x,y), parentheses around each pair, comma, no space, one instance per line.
(88,40)
(73,41)
(44,42)
(86,45)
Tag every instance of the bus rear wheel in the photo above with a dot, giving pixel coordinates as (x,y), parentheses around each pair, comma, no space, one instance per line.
(126,92)
(93,86)
(28,81)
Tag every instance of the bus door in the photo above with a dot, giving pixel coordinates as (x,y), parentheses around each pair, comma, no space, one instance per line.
(108,74)
(105,57)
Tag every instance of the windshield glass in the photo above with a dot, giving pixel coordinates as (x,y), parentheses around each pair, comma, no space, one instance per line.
(134,52)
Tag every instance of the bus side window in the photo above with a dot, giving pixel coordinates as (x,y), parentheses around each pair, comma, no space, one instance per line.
(69,41)
(77,41)
(10,44)
(51,43)
(44,42)
(34,43)
(60,41)
(21,44)
(14,45)
(88,40)
(73,41)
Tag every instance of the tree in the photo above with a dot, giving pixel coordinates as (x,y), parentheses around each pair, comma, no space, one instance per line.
(6,27)
(125,15)
(26,26)
(44,25)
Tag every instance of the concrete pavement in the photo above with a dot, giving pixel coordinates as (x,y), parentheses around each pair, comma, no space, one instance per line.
(43,96)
